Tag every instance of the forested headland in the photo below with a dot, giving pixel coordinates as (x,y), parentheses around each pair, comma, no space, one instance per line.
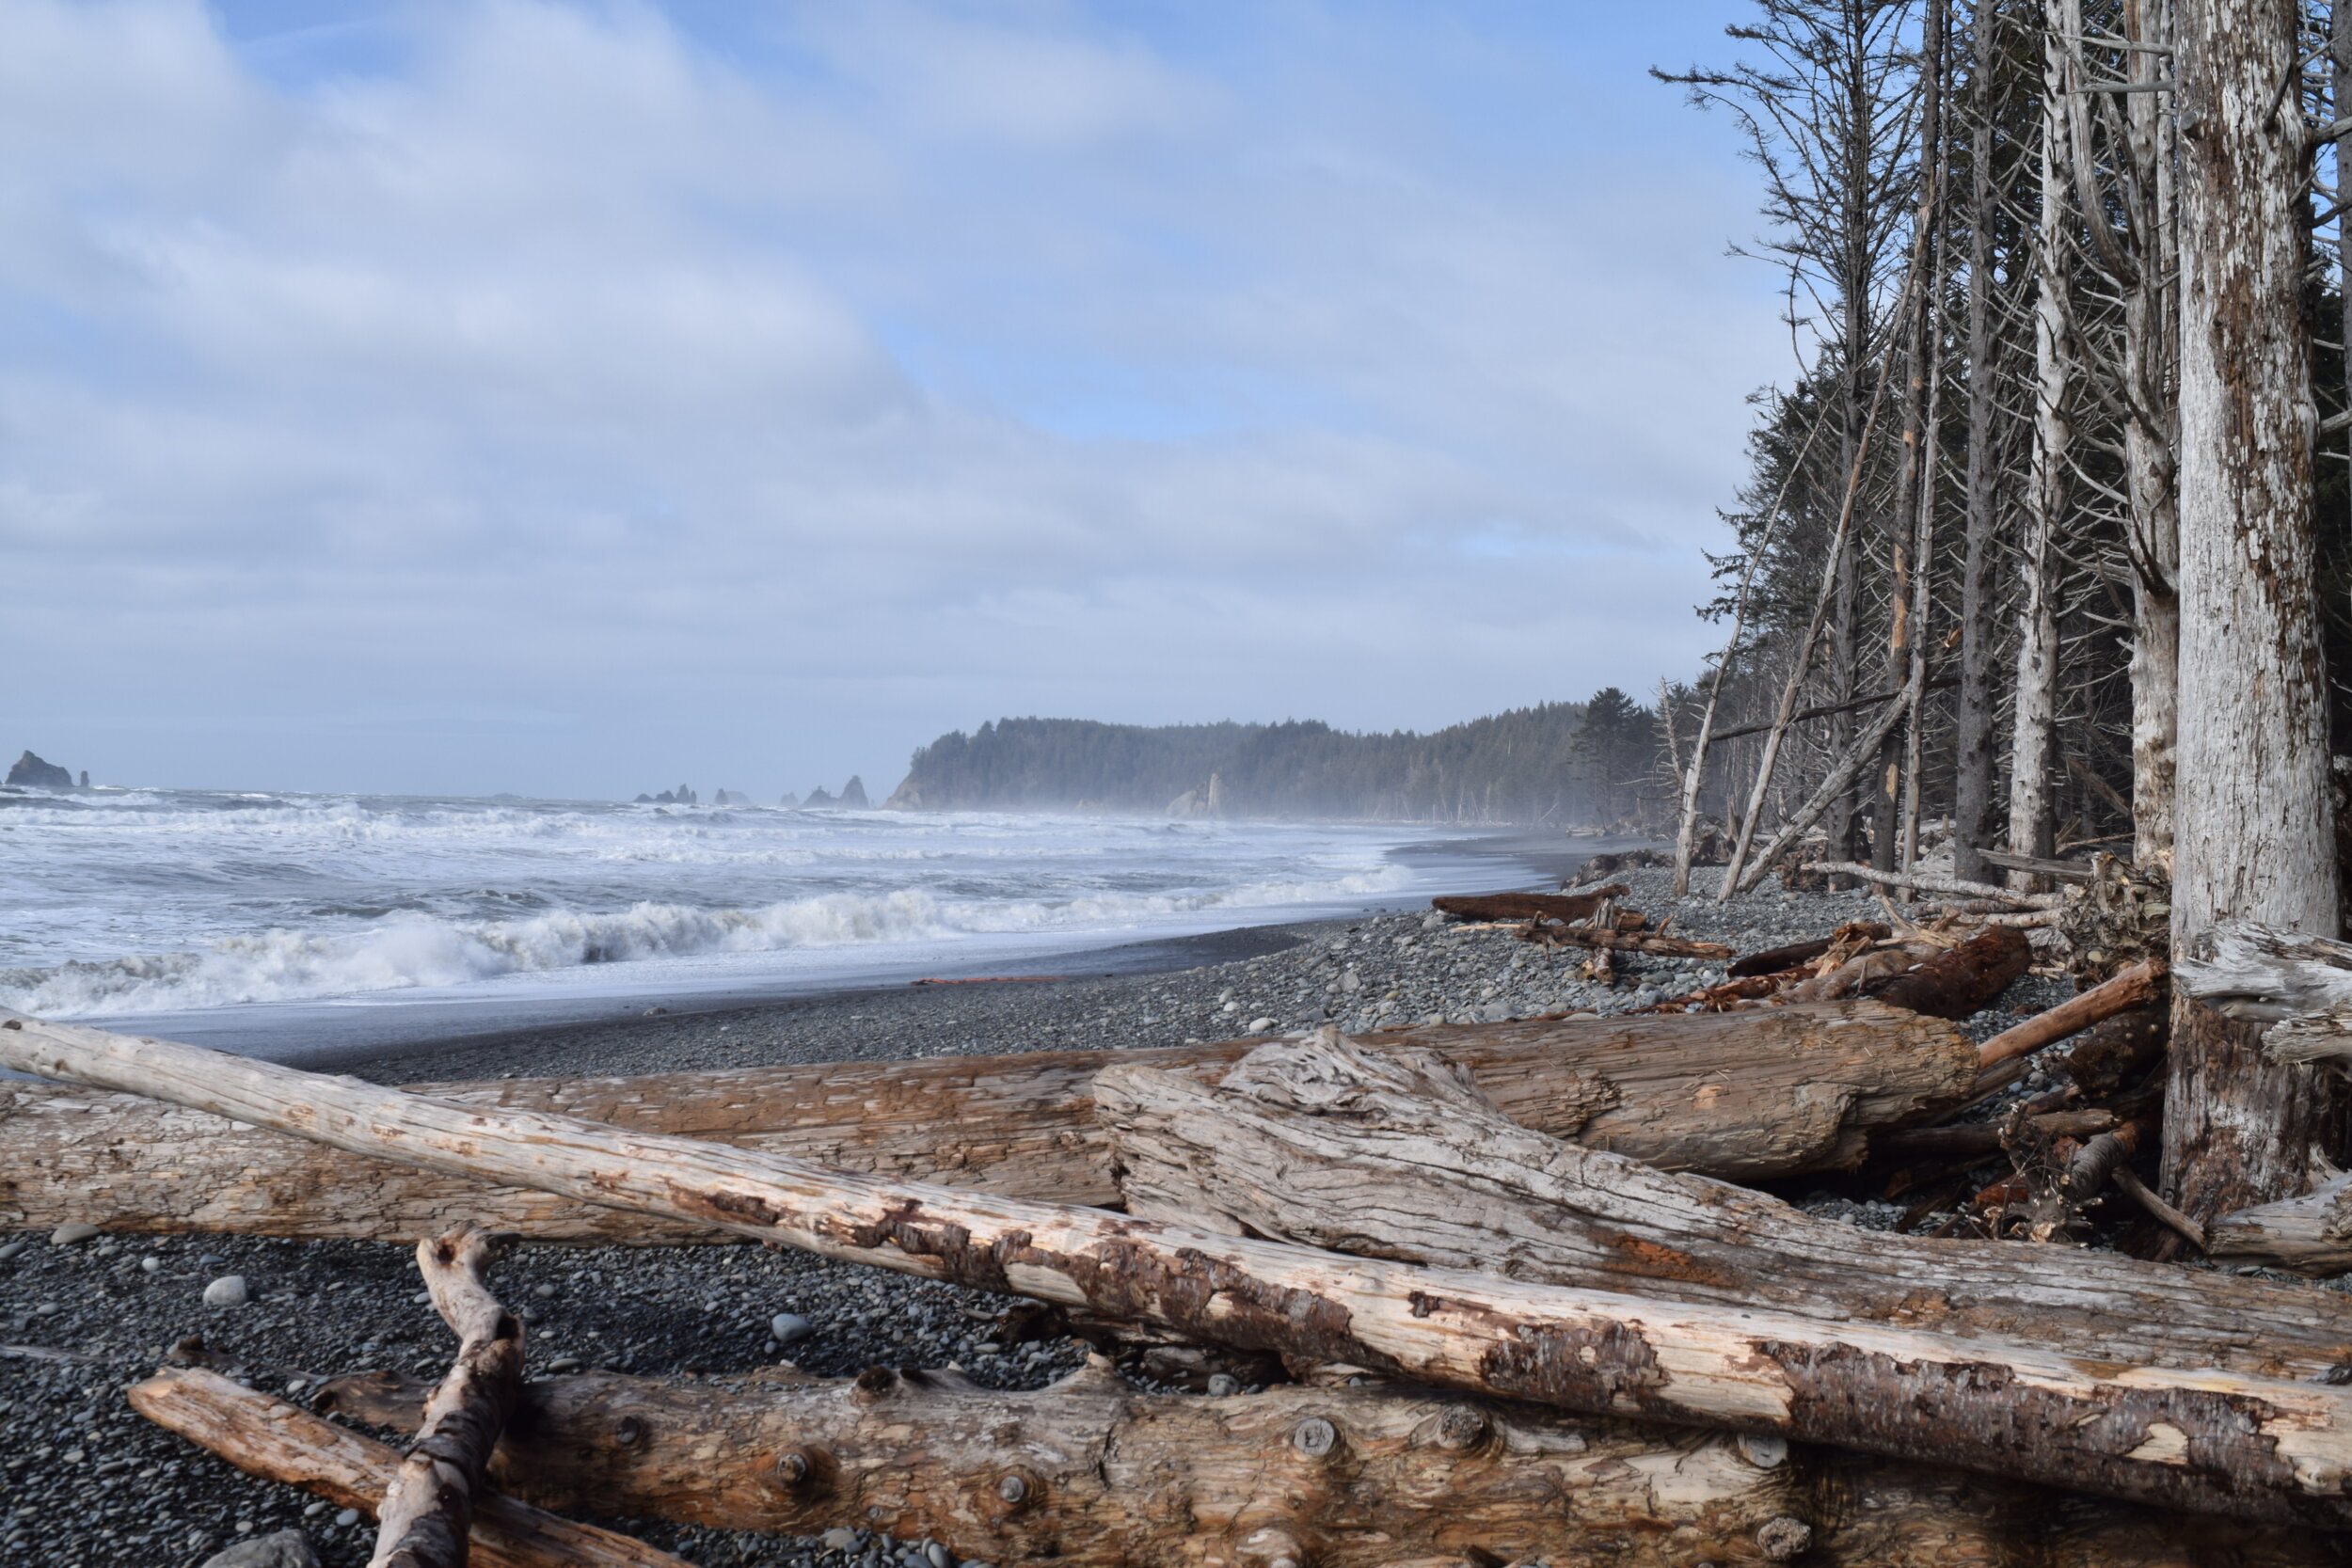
(1557,764)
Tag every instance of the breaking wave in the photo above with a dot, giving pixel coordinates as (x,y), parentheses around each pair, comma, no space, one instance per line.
(406,949)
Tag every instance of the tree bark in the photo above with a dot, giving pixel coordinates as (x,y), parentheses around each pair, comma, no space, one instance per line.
(268,1437)
(2033,744)
(427,1511)
(1974,721)
(1798,1091)
(1322,1145)
(1110,1475)
(2218,1442)
(2255,832)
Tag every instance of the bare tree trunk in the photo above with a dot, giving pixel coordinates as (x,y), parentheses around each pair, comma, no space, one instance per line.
(2033,747)
(1973,740)
(2151,434)
(2208,1441)
(2255,832)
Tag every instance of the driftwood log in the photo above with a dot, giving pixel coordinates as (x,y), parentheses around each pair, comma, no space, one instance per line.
(1527,906)
(2208,1441)
(1560,933)
(1093,1471)
(1318,1143)
(2136,987)
(268,1437)
(1963,980)
(427,1511)
(2311,1234)
(1800,1090)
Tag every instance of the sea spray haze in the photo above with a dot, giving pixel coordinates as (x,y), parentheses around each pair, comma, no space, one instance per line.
(152,900)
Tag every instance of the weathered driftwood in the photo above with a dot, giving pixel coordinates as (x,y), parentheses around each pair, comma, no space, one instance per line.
(2311,1234)
(1800,1091)
(1526,905)
(1774,961)
(427,1510)
(1920,882)
(1979,1139)
(2208,1441)
(2134,986)
(268,1437)
(1963,980)
(1318,1143)
(1092,1471)
(2300,986)
(1558,933)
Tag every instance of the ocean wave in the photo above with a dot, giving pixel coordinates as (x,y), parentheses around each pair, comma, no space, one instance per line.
(407,950)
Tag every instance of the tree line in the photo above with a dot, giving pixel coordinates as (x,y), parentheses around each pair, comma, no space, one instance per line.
(1556,764)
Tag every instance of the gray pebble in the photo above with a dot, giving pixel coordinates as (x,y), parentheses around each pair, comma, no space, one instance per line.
(12,1250)
(288,1548)
(839,1540)
(790,1328)
(70,1232)
(227,1290)
(347,1518)
(940,1555)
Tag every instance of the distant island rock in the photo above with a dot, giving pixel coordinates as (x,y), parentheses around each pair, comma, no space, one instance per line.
(853,795)
(681,796)
(788,801)
(820,795)
(731,798)
(31,770)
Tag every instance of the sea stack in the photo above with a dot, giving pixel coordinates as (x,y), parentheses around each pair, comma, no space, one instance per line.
(32,772)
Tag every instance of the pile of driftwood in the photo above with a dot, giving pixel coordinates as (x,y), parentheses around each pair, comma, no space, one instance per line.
(1524,1311)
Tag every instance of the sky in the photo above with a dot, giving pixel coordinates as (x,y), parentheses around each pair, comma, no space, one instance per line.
(578,400)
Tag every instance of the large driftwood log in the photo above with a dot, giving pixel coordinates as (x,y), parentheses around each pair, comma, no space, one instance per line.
(2311,1234)
(427,1511)
(1526,905)
(1749,1098)
(1092,1471)
(1318,1143)
(2136,987)
(2208,1441)
(1964,980)
(278,1441)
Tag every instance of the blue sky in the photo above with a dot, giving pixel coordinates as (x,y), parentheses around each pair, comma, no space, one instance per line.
(574,398)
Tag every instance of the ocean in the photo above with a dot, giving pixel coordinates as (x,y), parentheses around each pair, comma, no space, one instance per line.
(274,922)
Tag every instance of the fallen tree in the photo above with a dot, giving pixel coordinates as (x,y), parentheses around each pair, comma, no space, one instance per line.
(2208,1441)
(1091,1470)
(1800,1090)
(276,1441)
(1318,1143)
(1526,905)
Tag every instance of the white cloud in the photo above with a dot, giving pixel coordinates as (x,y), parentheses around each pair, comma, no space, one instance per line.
(781,401)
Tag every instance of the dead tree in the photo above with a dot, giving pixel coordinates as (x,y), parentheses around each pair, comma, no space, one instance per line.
(2254,824)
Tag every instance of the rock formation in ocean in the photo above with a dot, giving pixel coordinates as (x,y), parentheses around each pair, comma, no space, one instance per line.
(820,795)
(730,797)
(32,771)
(788,801)
(853,795)
(1207,801)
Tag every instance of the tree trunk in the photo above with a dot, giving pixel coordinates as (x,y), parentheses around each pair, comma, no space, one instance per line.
(427,1510)
(1797,1090)
(268,1437)
(1105,1474)
(1973,739)
(2151,434)
(2209,1441)
(2033,745)
(1319,1144)
(2255,828)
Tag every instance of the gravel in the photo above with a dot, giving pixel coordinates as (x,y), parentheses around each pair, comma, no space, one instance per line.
(87,1484)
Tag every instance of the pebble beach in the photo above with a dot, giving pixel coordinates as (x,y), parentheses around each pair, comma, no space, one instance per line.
(85,1482)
